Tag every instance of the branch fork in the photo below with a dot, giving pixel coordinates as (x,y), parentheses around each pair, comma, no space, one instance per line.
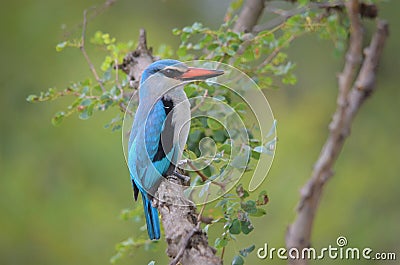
(355,85)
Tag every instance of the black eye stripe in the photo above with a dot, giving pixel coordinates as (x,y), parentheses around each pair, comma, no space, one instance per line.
(171,73)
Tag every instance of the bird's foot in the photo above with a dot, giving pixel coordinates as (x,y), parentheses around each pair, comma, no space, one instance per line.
(184,178)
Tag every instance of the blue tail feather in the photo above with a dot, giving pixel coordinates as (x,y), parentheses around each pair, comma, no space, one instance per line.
(152,221)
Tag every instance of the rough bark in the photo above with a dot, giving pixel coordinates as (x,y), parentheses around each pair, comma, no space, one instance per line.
(248,17)
(187,243)
(355,86)
(136,61)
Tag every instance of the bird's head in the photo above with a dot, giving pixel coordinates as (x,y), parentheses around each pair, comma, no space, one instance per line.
(161,76)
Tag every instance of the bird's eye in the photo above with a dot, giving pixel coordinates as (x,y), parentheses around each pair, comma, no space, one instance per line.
(171,73)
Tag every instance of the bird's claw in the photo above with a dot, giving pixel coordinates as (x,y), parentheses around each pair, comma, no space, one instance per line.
(182,177)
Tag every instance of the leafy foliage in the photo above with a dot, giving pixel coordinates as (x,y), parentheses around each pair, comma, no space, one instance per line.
(127,245)
(244,51)
(261,55)
(94,95)
(238,209)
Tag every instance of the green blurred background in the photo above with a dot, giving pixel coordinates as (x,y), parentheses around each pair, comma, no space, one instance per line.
(62,188)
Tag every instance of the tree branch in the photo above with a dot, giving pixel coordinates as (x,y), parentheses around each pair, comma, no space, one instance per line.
(248,17)
(366,10)
(136,61)
(83,50)
(203,177)
(352,95)
(187,243)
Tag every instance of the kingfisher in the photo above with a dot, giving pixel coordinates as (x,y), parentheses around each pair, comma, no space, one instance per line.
(160,130)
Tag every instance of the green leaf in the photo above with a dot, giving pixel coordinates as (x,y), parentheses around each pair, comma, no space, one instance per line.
(249,206)
(235,227)
(212,46)
(220,242)
(219,135)
(262,198)
(248,55)
(259,212)
(176,31)
(190,154)
(205,105)
(32,98)
(87,112)
(61,46)
(86,102)
(106,38)
(244,252)
(190,89)
(195,136)
(107,74)
(234,46)
(207,39)
(246,227)
(197,26)
(213,124)
(185,36)
(226,148)
(255,155)
(58,118)
(106,64)
(222,203)
(289,79)
(96,39)
(237,260)
(187,30)
(182,51)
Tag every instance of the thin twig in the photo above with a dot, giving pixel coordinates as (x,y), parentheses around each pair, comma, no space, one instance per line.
(284,15)
(252,37)
(201,101)
(116,67)
(83,50)
(203,177)
(366,10)
(223,253)
(97,11)
(206,220)
(202,210)
(275,52)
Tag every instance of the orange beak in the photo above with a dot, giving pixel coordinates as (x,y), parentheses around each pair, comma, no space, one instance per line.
(199,74)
